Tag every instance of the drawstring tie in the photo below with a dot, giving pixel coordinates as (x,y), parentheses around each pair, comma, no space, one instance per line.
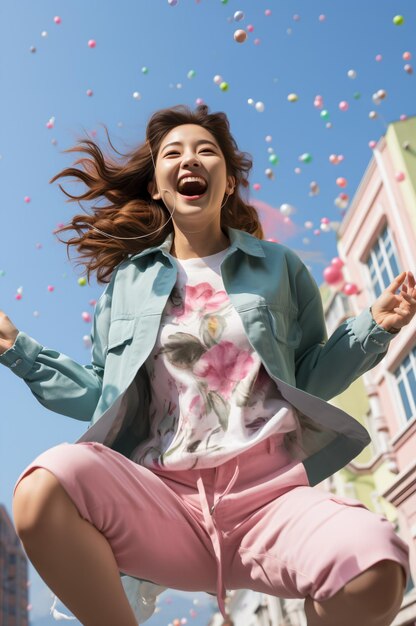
(214,534)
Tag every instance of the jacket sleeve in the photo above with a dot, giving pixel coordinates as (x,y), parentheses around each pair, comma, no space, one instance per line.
(58,382)
(326,367)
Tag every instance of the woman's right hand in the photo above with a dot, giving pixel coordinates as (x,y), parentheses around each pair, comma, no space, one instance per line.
(8,332)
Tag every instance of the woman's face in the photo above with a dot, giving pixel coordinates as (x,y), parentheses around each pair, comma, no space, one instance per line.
(191,152)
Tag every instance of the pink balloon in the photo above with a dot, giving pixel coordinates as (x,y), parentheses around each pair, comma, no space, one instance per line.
(332,275)
(256,186)
(337,262)
(400,176)
(341,182)
(350,289)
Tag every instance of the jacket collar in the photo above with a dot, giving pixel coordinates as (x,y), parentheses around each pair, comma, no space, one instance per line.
(239,239)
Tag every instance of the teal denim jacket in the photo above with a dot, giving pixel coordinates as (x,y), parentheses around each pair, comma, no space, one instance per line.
(281,310)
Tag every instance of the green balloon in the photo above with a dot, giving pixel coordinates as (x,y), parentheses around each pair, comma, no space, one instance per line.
(357,95)
(325,114)
(274,159)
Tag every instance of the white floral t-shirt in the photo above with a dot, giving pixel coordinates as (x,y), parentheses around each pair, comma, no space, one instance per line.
(211,397)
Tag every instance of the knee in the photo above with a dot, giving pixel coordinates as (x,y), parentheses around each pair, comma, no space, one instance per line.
(33,498)
(382,587)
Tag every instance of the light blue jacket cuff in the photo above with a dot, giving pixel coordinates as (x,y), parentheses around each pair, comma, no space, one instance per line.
(22,355)
(372,337)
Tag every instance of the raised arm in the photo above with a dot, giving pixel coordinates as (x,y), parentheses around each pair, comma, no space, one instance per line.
(326,367)
(58,382)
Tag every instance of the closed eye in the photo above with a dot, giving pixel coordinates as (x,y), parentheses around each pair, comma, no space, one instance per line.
(204,150)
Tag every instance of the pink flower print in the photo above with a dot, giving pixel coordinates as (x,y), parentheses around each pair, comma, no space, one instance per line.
(223,366)
(197,406)
(203,299)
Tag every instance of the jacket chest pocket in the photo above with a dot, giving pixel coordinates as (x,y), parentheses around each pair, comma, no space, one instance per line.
(120,333)
(284,326)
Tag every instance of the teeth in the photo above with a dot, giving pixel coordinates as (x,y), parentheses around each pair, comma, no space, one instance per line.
(191,179)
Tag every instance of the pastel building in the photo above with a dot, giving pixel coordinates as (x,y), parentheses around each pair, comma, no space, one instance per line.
(13,575)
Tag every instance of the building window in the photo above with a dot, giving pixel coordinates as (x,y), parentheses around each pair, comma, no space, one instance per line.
(383,262)
(405,376)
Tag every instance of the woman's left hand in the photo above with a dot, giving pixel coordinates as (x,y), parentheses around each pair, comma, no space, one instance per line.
(393,311)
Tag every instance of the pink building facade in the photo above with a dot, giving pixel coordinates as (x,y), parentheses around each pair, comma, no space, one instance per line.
(377,241)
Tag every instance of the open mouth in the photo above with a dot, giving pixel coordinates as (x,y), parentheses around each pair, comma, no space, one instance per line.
(192,187)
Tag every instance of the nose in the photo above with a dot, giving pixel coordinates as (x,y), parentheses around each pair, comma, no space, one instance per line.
(191,159)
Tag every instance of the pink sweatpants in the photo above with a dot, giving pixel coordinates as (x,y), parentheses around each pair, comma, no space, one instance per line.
(254,522)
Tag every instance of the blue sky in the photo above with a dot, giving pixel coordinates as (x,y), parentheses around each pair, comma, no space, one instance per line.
(307,56)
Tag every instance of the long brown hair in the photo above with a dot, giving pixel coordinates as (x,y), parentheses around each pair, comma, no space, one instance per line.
(130,210)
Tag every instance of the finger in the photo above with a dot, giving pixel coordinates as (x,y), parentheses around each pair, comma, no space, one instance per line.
(395,284)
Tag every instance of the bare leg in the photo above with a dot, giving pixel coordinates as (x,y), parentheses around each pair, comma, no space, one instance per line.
(73,558)
(373,598)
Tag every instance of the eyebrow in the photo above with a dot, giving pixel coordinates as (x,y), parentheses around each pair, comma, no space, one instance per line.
(179,143)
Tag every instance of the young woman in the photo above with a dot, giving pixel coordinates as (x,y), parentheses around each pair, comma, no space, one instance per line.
(206,402)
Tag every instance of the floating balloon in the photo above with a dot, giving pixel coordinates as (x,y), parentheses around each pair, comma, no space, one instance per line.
(350,289)
(224,86)
(372,144)
(51,288)
(408,68)
(287,209)
(400,176)
(256,186)
(238,16)
(332,275)
(292,97)
(273,159)
(378,58)
(325,114)
(92,43)
(341,182)
(343,105)
(337,262)
(57,19)
(372,115)
(259,107)
(352,74)
(305,157)
(250,28)
(172,3)
(398,20)
(308,224)
(313,188)
(407,56)
(191,74)
(240,36)
(217,79)
(269,173)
